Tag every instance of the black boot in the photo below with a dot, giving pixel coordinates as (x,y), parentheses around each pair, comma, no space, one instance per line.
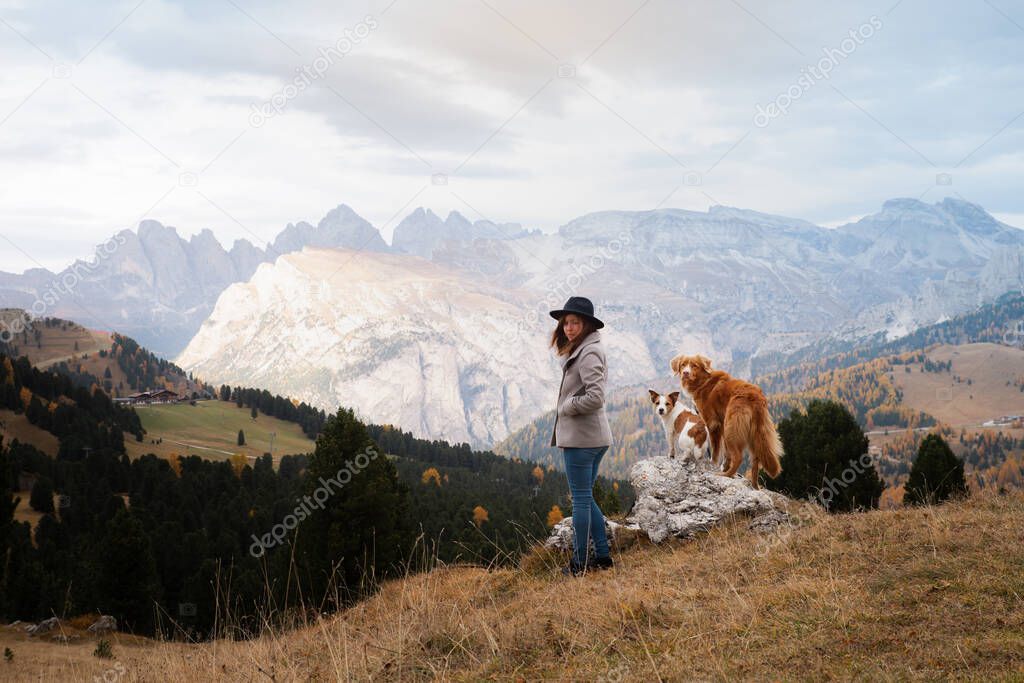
(602,562)
(574,569)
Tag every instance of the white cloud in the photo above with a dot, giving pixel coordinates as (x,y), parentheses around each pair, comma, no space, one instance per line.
(435,84)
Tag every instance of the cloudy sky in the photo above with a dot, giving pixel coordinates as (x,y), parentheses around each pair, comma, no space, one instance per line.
(244,115)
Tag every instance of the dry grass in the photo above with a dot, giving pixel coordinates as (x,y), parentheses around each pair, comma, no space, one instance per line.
(14,426)
(56,344)
(920,594)
(42,658)
(988,366)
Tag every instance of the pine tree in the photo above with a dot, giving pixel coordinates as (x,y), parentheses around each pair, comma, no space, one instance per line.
(936,475)
(363,531)
(241,437)
(127,584)
(825,458)
(8,503)
(41,499)
(606,499)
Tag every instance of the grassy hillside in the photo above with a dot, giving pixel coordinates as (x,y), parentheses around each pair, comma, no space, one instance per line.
(14,426)
(210,429)
(119,366)
(984,382)
(915,594)
(110,360)
(51,340)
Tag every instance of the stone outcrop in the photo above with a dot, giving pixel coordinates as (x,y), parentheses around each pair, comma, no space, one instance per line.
(105,624)
(44,626)
(679,498)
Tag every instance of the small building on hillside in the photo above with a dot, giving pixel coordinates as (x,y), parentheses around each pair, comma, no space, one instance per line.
(146,398)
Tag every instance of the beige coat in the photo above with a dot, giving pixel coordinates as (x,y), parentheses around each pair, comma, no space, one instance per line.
(580,420)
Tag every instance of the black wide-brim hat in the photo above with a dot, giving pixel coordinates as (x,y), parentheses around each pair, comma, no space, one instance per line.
(580,306)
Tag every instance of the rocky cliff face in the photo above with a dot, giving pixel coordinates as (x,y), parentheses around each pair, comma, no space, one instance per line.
(915,241)
(402,340)
(423,233)
(341,227)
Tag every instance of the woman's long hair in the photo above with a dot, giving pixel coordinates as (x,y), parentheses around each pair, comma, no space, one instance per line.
(561,342)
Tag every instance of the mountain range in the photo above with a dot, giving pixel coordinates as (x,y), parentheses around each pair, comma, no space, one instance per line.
(443,331)
(158,287)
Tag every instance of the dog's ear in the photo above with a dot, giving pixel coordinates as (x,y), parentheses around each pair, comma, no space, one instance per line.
(674,396)
(704,362)
(676,363)
(654,395)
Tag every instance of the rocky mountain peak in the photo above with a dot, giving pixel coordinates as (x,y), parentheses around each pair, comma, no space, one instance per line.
(153,232)
(905,204)
(205,238)
(975,219)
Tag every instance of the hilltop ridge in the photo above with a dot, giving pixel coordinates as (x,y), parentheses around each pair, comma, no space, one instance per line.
(922,593)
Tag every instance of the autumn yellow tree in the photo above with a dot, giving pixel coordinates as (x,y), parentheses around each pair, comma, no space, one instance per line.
(175,462)
(479,515)
(431,474)
(892,498)
(26,396)
(555,515)
(1010,475)
(238,463)
(538,474)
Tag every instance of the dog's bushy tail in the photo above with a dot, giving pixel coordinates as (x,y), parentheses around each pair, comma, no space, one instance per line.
(766,445)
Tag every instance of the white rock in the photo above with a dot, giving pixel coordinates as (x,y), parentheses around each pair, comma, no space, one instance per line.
(681,497)
(561,534)
(44,626)
(677,497)
(104,624)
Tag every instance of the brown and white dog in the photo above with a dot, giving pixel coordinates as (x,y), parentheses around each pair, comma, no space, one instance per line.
(736,415)
(684,429)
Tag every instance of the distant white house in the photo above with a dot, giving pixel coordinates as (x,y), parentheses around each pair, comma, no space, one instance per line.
(1003,421)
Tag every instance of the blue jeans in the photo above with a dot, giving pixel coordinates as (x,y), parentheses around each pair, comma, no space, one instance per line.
(587,521)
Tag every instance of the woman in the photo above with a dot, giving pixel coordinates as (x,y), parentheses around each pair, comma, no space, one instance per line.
(581,426)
